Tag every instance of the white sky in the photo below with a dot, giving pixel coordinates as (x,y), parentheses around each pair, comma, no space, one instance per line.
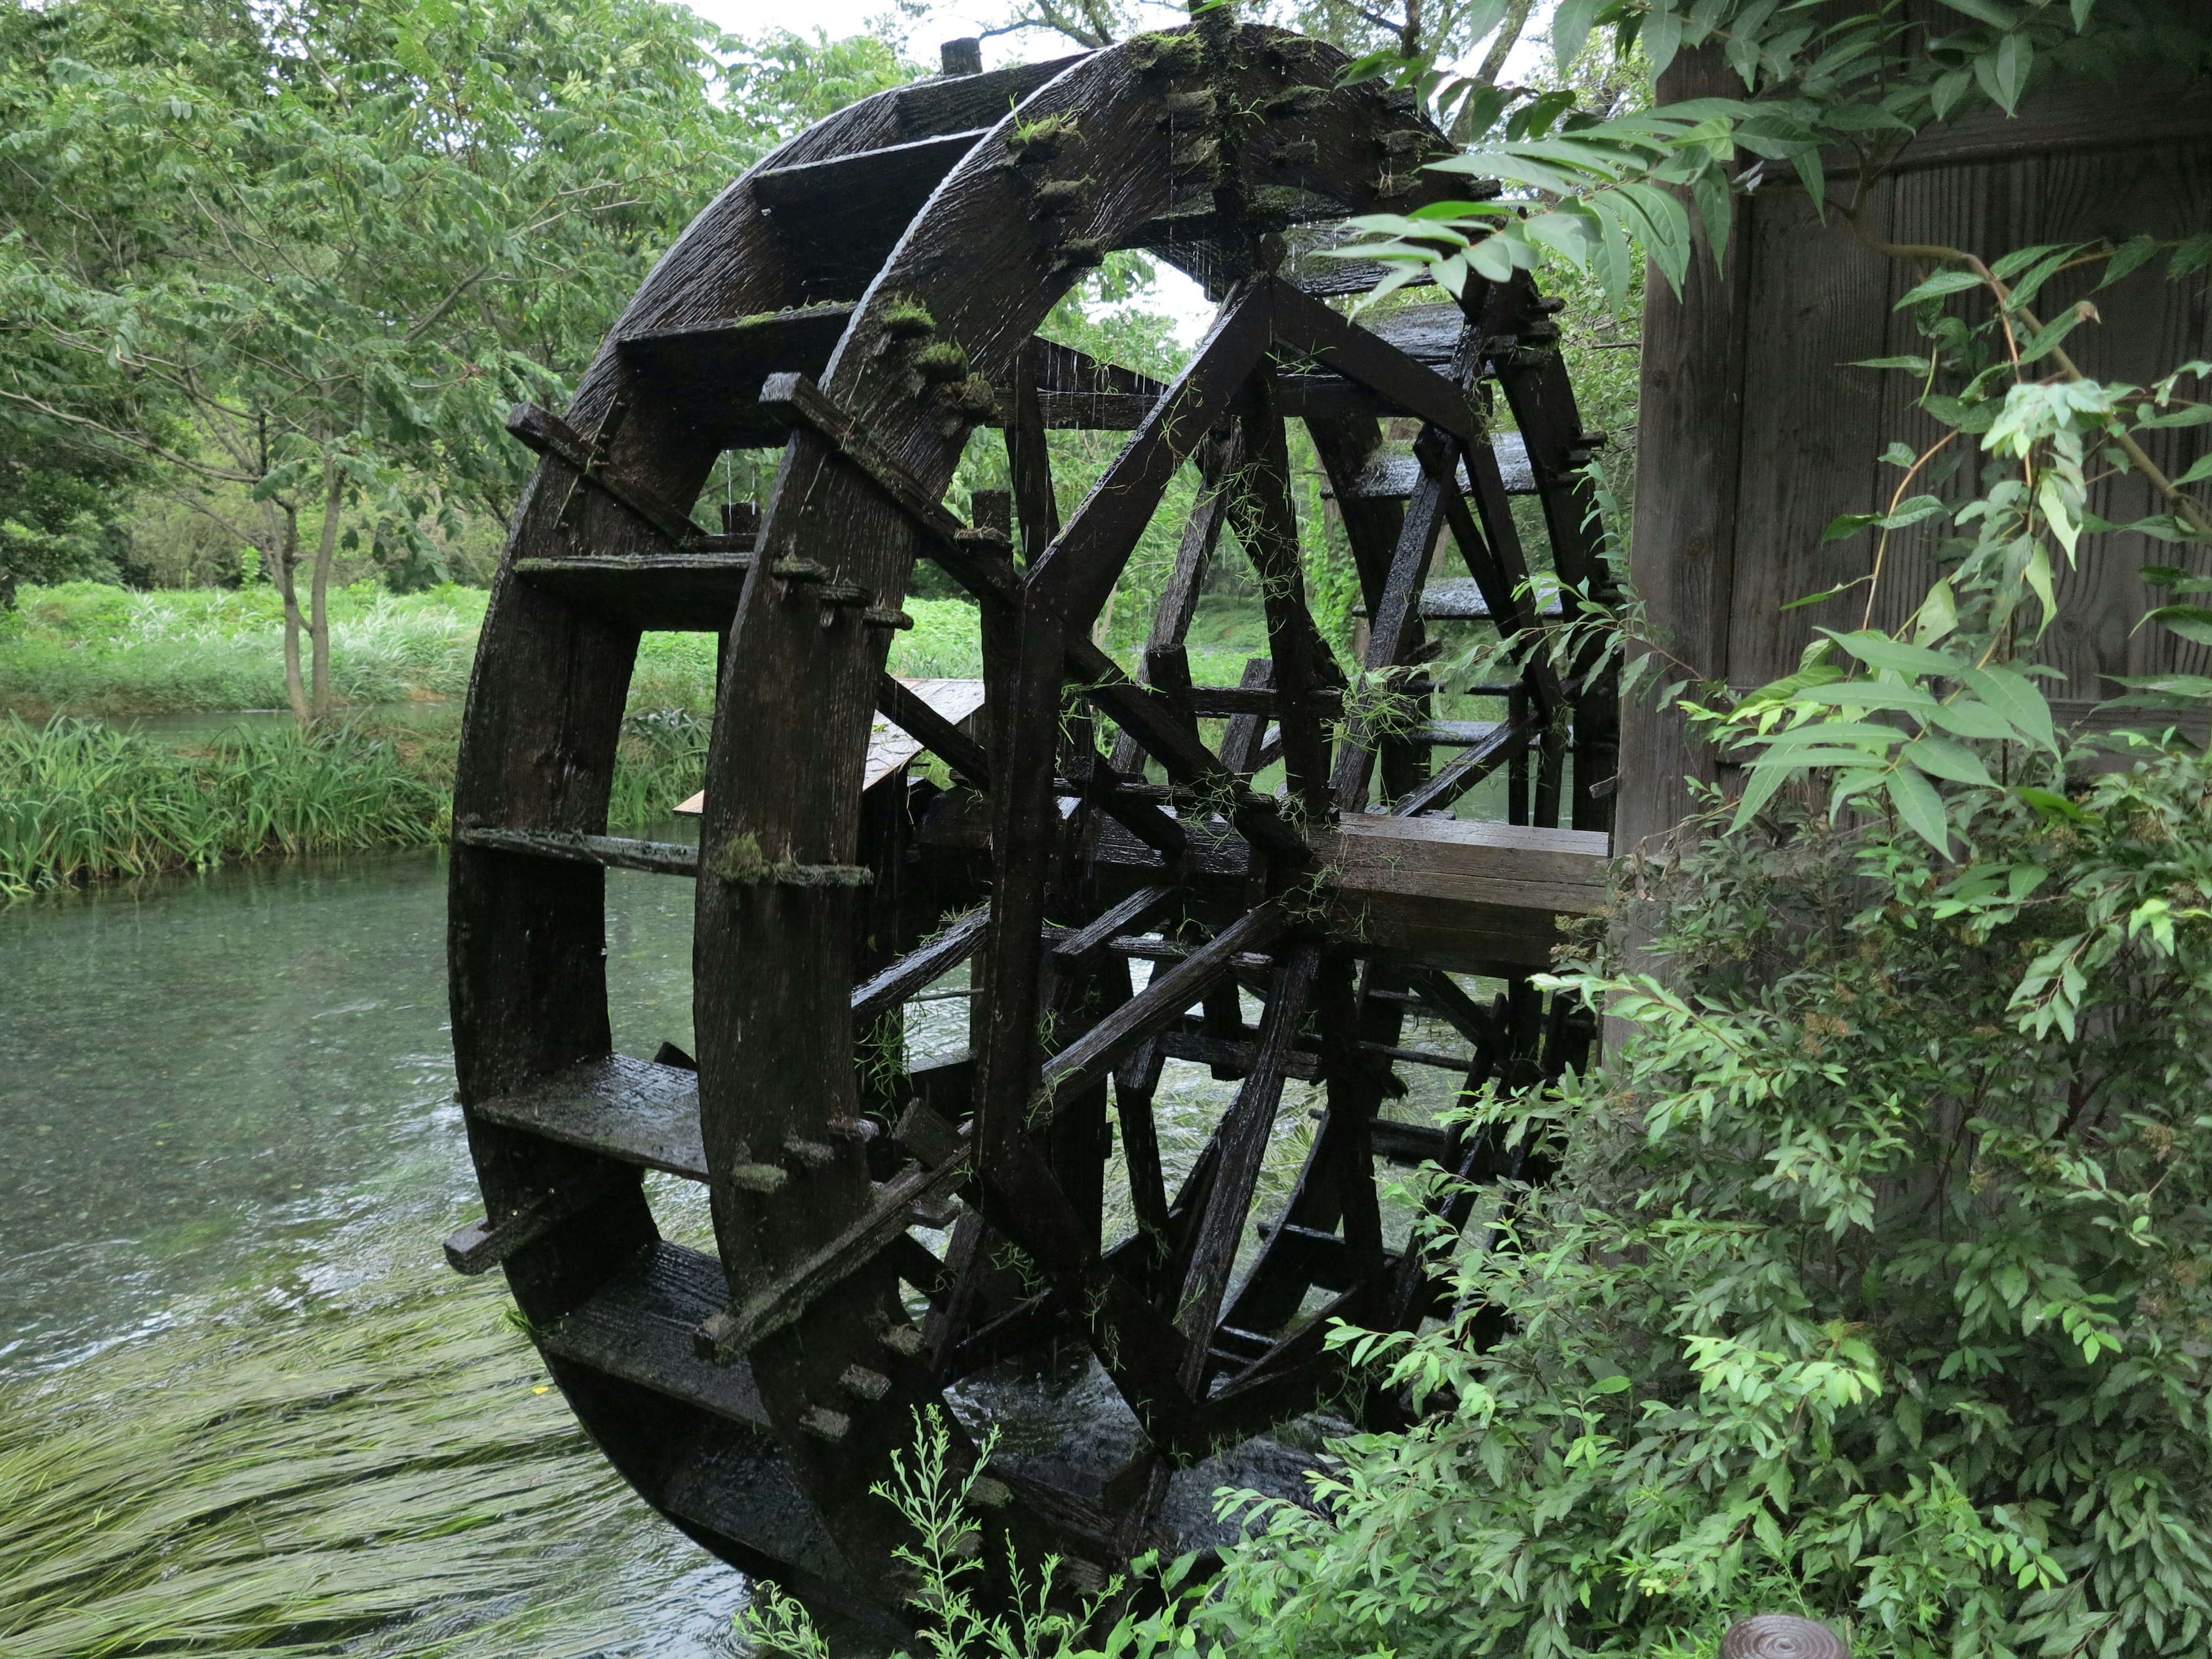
(950,19)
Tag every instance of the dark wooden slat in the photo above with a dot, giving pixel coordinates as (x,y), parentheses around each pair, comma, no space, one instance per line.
(796,400)
(954,102)
(1441,995)
(1243,1145)
(712,368)
(630,1110)
(1029,458)
(1267,525)
(1076,574)
(1409,1144)
(483,1245)
(1092,1056)
(726,1335)
(661,857)
(932,731)
(893,174)
(1396,625)
(1461,599)
(1227,1057)
(639,1329)
(1178,602)
(933,960)
(1392,477)
(695,591)
(549,435)
(1308,326)
(1085,948)
(1241,742)
(1447,734)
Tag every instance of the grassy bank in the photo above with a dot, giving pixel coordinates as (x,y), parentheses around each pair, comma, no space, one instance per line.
(390,1478)
(90,649)
(80,800)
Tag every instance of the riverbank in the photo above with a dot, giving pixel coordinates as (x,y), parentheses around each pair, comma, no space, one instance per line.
(84,796)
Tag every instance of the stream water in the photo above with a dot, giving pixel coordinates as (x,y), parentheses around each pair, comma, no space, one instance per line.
(239,1085)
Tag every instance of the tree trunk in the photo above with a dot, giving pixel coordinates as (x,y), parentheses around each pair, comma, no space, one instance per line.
(318,622)
(287,557)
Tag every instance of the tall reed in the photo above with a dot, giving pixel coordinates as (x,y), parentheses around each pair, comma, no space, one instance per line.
(80,800)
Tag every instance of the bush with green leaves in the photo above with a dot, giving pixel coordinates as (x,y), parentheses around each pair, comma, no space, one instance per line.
(1876,1282)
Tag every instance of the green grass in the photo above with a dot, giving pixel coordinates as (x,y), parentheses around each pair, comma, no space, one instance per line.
(79,799)
(87,649)
(390,1478)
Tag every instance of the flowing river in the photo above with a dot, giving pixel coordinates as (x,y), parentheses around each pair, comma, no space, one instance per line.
(239,1086)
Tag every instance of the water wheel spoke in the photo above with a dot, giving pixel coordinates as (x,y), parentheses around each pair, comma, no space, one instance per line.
(1079,569)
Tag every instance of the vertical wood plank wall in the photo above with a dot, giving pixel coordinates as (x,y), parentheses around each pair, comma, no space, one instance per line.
(1756,431)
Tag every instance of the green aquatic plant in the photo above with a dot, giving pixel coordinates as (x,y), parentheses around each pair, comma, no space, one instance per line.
(390,1478)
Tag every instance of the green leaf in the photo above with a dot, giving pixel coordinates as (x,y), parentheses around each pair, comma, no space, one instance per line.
(2172,686)
(1942,282)
(1917,364)
(1920,806)
(1941,758)
(2009,694)
(2192,621)
(1880,651)
(2135,252)
(2049,806)
(1759,789)
(1570,27)
(1969,719)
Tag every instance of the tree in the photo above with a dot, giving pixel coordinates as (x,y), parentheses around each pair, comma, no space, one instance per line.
(326,248)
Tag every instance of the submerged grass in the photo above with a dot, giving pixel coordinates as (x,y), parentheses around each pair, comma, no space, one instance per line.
(388,1479)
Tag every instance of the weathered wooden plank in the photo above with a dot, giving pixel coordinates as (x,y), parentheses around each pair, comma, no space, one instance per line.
(1243,1141)
(630,1110)
(725,1336)
(483,1245)
(955,102)
(1376,362)
(1178,603)
(932,731)
(662,857)
(1077,572)
(1392,477)
(931,961)
(639,1327)
(1682,554)
(876,181)
(549,435)
(694,592)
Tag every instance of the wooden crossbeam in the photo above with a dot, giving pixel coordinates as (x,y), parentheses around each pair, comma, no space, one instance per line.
(932,731)
(1335,342)
(1086,558)
(934,960)
(549,435)
(1092,1056)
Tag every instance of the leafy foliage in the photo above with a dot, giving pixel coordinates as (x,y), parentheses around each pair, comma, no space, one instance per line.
(1591,191)
(1866,1290)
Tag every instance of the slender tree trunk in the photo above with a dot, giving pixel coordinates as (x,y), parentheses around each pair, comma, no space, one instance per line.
(287,546)
(319,621)
(1493,63)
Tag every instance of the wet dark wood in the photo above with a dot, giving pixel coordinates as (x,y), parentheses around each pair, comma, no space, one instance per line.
(814,1217)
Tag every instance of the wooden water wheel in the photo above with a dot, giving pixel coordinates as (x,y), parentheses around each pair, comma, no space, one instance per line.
(1094,853)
